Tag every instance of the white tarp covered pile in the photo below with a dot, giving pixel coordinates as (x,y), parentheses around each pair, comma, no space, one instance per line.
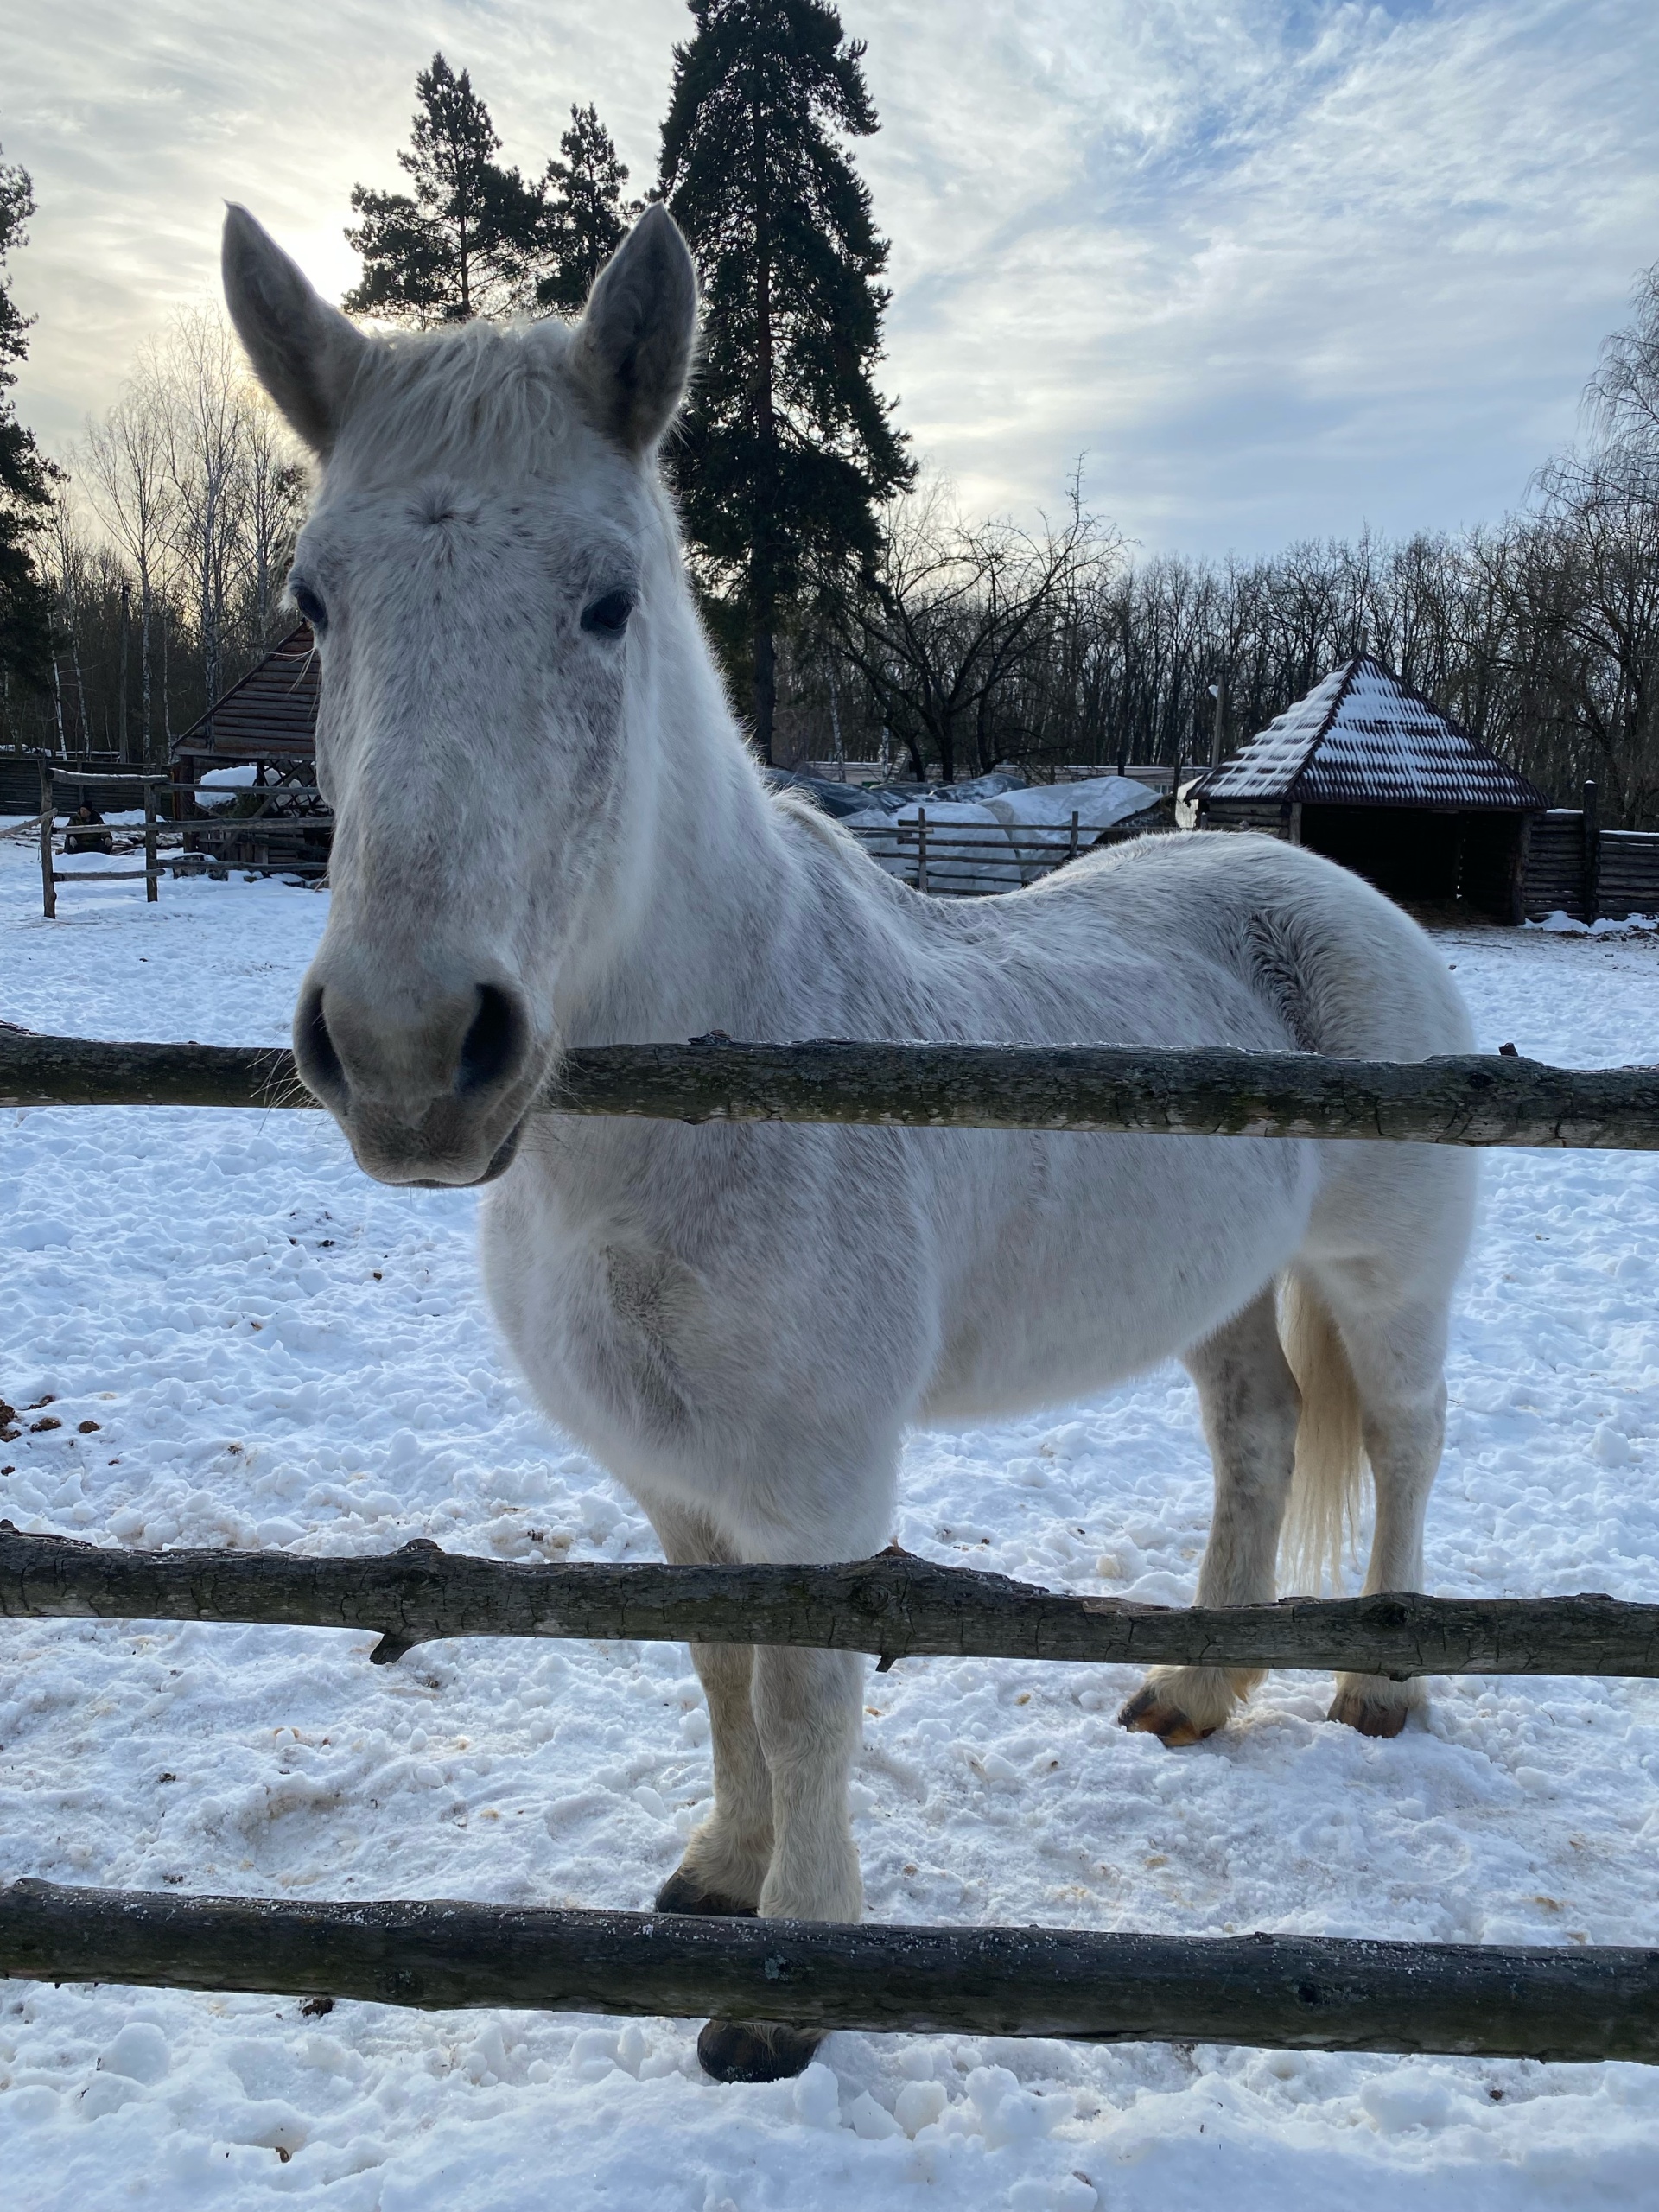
(967,840)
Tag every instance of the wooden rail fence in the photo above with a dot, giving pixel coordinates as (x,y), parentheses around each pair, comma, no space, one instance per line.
(1471,1099)
(1291,1992)
(894,1605)
(1283,1992)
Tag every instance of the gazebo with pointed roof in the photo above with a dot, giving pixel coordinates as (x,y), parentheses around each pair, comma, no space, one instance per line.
(1369,773)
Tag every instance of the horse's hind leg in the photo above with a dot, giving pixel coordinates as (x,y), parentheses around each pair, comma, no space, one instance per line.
(1397,1358)
(727,1857)
(1251,1408)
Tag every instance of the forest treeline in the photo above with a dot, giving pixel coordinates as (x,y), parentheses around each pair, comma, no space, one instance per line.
(858,612)
(972,643)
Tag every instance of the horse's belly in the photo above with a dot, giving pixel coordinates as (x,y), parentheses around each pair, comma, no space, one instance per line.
(1127,1251)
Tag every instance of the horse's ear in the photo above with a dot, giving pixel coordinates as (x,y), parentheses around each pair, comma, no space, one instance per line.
(304,351)
(633,350)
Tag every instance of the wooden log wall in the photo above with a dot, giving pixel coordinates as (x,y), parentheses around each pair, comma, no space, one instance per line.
(1627,880)
(1627,873)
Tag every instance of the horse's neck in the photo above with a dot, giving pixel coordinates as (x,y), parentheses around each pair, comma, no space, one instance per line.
(702,900)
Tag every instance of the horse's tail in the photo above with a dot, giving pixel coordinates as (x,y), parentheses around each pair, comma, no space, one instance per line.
(1323,1516)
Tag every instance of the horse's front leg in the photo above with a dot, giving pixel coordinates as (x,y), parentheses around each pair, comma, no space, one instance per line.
(806,1707)
(1250,1406)
(807,1710)
(727,1857)
(785,1725)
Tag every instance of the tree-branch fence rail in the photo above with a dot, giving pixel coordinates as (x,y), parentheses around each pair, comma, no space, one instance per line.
(1295,1992)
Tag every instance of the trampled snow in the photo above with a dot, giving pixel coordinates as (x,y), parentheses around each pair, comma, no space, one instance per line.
(245,1343)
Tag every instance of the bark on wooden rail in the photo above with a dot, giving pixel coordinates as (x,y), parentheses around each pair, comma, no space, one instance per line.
(1473,1099)
(1284,1992)
(894,1604)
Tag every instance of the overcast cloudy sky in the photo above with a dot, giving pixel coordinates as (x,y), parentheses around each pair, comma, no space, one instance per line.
(1276,269)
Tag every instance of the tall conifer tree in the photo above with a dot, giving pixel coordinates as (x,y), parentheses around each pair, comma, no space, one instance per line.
(787,446)
(468,242)
(586,214)
(26,476)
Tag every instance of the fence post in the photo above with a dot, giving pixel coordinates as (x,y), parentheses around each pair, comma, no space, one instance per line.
(152,869)
(49,816)
(1592,855)
(921,848)
(1072,848)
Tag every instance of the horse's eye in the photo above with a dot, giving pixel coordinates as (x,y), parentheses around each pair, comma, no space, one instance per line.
(311,608)
(609,615)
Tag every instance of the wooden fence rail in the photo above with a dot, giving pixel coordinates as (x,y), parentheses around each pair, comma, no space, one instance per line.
(1471,1100)
(894,1605)
(1281,1992)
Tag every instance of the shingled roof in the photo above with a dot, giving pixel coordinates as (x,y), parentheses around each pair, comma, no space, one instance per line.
(1363,738)
(271,715)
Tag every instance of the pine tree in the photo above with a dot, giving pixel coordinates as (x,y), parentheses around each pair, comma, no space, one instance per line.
(586,213)
(467,244)
(787,446)
(26,476)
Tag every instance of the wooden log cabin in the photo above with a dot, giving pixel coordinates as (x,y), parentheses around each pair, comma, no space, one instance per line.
(278,822)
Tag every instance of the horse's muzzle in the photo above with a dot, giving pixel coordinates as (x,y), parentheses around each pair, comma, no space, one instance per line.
(433,1094)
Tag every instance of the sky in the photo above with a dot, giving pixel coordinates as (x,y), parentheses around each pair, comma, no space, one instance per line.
(1274,270)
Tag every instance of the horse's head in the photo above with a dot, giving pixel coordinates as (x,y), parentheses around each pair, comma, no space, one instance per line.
(485,558)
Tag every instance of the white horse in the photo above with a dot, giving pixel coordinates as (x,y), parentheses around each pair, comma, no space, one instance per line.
(550,834)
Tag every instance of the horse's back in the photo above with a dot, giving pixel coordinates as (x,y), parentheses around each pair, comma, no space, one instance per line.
(1328,962)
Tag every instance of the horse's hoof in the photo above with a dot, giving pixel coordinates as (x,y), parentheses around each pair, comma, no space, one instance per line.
(1368,1714)
(755,2051)
(682,1892)
(1149,1714)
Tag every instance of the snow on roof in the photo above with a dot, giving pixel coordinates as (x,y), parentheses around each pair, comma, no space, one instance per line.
(1363,738)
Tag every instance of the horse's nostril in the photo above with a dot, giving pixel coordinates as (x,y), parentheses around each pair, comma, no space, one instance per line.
(493,1047)
(319,1062)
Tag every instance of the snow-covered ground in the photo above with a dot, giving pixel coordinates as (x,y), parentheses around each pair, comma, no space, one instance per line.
(244,1342)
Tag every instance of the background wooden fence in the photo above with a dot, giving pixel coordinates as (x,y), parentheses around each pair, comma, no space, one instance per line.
(1576,868)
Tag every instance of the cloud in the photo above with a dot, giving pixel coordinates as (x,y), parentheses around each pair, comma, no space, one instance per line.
(1275,271)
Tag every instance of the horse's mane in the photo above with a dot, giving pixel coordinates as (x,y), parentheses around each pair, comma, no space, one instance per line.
(480,392)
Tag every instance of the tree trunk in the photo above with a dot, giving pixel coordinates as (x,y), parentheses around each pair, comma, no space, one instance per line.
(145,602)
(126,644)
(762,571)
(765,684)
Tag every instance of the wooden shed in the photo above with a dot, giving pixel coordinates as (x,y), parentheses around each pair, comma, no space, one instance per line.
(268,719)
(268,723)
(1368,771)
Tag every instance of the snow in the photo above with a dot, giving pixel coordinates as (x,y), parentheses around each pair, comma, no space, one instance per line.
(276,1352)
(220,786)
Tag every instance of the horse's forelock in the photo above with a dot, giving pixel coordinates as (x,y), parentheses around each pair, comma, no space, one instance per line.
(494,397)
